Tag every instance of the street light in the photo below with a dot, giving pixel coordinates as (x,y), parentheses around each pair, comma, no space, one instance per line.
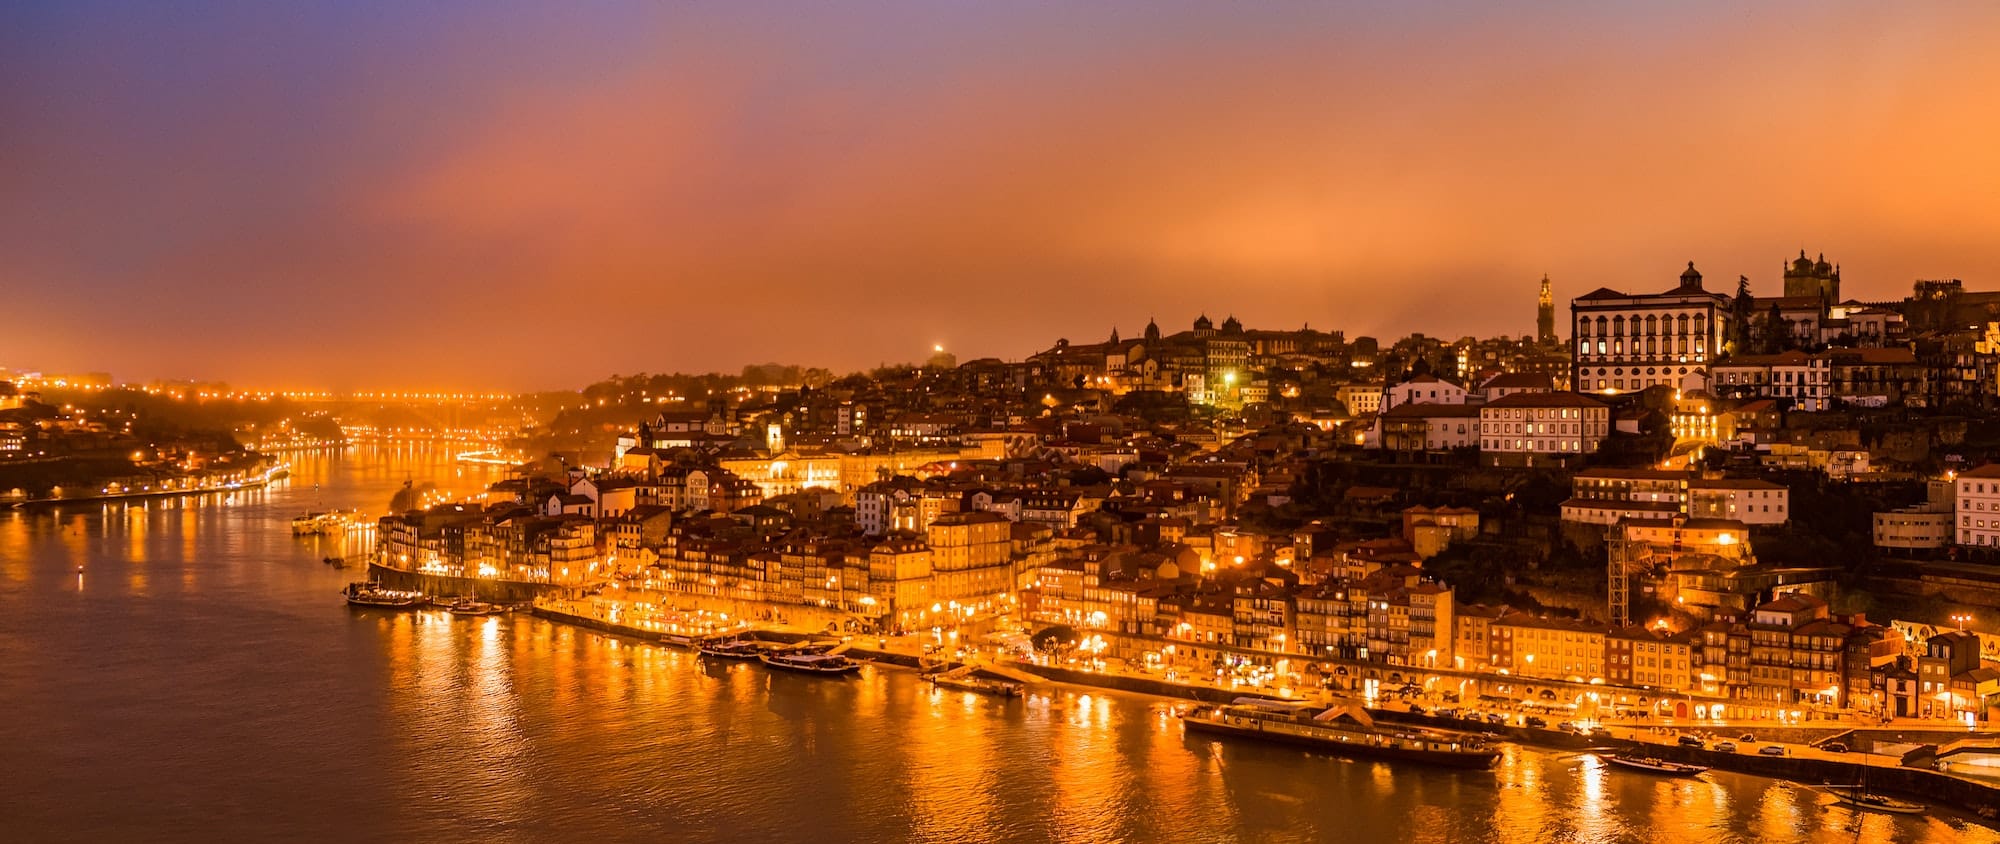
(1961,618)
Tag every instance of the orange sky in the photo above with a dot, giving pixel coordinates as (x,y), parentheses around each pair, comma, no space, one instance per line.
(314,195)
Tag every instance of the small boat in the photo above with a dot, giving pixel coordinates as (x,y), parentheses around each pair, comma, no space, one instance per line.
(743,649)
(965,680)
(372,595)
(1654,765)
(1861,798)
(681,640)
(469,606)
(1343,729)
(810,663)
(982,685)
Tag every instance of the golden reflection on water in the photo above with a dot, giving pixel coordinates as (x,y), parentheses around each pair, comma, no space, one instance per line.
(1088,793)
(1778,814)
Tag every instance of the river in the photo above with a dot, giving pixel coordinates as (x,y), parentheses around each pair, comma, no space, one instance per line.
(185,671)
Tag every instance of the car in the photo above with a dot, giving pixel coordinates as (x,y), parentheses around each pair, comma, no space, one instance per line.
(1725,747)
(1747,738)
(1771,750)
(1495,718)
(1416,710)
(1690,740)
(1834,747)
(1599,732)
(1567,726)
(1533,721)
(1446,713)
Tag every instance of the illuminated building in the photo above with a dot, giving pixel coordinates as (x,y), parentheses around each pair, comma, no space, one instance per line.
(1630,341)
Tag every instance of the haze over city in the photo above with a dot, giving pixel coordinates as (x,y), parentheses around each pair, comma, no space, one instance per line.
(480,197)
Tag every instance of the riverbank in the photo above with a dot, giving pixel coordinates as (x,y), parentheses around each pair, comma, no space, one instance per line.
(486,589)
(260,481)
(1963,794)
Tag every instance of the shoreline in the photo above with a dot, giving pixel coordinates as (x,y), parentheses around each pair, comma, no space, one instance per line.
(1957,794)
(237,486)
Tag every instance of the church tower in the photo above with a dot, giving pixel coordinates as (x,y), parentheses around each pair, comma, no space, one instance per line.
(1810,279)
(1545,315)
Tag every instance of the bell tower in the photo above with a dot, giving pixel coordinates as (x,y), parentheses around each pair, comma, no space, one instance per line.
(1545,315)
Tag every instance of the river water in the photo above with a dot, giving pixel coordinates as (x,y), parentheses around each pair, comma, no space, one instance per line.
(199,679)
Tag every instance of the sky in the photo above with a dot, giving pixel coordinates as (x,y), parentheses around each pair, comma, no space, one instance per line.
(491,195)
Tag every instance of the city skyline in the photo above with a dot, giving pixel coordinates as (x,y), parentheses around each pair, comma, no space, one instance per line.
(480,199)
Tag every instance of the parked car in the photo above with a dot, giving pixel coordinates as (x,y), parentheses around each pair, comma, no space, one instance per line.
(1771,750)
(1747,738)
(1690,740)
(1495,718)
(1446,713)
(1567,726)
(1725,747)
(1834,747)
(1533,721)
(1600,732)
(1416,710)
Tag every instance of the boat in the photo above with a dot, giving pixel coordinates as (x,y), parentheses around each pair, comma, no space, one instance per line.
(730,649)
(1861,798)
(372,594)
(319,523)
(982,685)
(1654,765)
(1342,729)
(469,606)
(681,640)
(811,663)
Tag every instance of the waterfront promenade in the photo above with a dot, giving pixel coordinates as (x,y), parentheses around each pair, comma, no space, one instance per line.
(1804,760)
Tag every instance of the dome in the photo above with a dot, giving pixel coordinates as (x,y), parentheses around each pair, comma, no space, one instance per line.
(1691,278)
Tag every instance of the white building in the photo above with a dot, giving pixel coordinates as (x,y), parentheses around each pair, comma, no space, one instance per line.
(1630,341)
(1532,429)
(1424,389)
(1978,506)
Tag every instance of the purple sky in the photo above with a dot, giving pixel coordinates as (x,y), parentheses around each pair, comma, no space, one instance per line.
(479,195)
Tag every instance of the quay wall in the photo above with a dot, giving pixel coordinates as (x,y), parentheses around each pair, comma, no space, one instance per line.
(438,585)
(1917,783)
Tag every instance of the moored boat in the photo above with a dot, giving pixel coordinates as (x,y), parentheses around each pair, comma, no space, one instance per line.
(1654,765)
(811,663)
(374,596)
(982,685)
(730,649)
(1345,730)
(1861,798)
(468,606)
